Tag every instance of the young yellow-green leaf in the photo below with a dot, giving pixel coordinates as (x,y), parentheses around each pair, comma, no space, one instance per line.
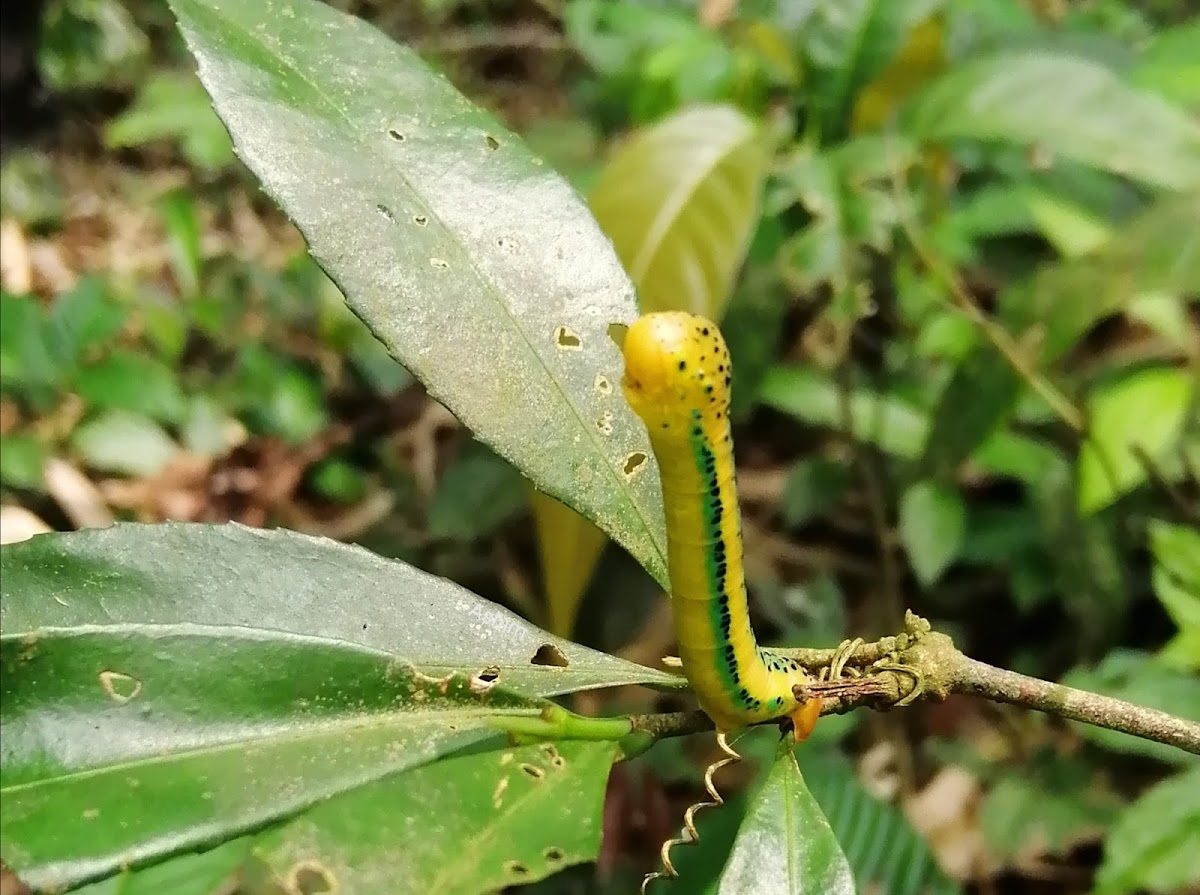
(1170,66)
(1152,846)
(462,826)
(1071,229)
(570,546)
(1143,411)
(479,268)
(845,45)
(1067,106)
(680,201)
(932,524)
(785,845)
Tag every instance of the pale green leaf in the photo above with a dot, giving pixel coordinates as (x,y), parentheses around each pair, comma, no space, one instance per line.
(1144,412)
(680,201)
(1067,106)
(932,525)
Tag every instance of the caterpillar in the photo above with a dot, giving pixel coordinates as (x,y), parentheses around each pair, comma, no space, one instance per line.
(677,380)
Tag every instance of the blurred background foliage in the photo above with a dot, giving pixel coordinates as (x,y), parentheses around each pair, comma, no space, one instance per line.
(954,247)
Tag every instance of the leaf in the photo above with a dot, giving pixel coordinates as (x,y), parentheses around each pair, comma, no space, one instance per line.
(478,493)
(124,443)
(1158,251)
(813,488)
(178,213)
(83,318)
(133,382)
(932,524)
(1070,228)
(783,818)
(22,461)
(482,271)
(1152,845)
(1141,412)
(197,874)
(1067,106)
(884,850)
(846,43)
(173,106)
(481,824)
(1047,808)
(235,677)
(570,547)
(679,201)
(1135,677)
(1168,65)
(1176,579)
(921,57)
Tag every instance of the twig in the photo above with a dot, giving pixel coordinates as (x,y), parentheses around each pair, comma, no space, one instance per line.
(924,663)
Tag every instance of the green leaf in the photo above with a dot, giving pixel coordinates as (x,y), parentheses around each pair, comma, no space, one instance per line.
(783,818)
(1069,107)
(178,213)
(83,318)
(933,521)
(461,826)
(28,364)
(813,488)
(173,106)
(481,270)
(680,201)
(478,493)
(1144,412)
(199,874)
(1152,846)
(885,852)
(1158,251)
(22,461)
(133,382)
(90,43)
(1047,808)
(236,676)
(1135,677)
(125,443)
(846,43)
(1176,580)
(1169,65)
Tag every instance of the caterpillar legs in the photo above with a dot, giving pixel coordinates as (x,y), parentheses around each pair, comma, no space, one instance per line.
(690,836)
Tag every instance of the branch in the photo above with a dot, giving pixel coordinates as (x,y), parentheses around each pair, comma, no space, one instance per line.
(924,664)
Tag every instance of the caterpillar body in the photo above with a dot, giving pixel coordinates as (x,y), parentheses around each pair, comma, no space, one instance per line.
(677,380)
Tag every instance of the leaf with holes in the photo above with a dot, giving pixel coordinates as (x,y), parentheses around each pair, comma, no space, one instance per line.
(480,269)
(783,818)
(680,201)
(235,677)
(1066,105)
(468,824)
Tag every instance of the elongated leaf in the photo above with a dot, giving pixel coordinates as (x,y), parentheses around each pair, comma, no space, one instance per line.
(846,43)
(1152,846)
(783,819)
(481,270)
(570,546)
(1143,411)
(932,523)
(232,677)
(883,849)
(679,202)
(200,874)
(1069,107)
(465,825)
(181,576)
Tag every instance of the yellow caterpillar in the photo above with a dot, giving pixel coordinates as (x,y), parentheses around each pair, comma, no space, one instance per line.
(677,379)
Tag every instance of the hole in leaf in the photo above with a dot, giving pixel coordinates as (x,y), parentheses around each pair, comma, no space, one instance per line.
(616,332)
(310,878)
(395,135)
(516,868)
(602,385)
(567,339)
(420,220)
(549,654)
(633,463)
(386,212)
(533,772)
(492,143)
(485,680)
(553,855)
(439,263)
(119,687)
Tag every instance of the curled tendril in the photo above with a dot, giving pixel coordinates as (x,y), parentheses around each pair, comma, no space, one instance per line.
(691,836)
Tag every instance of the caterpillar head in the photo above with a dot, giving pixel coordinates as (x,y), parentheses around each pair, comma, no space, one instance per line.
(675,363)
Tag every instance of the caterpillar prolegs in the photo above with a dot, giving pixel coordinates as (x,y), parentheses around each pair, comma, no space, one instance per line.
(677,380)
